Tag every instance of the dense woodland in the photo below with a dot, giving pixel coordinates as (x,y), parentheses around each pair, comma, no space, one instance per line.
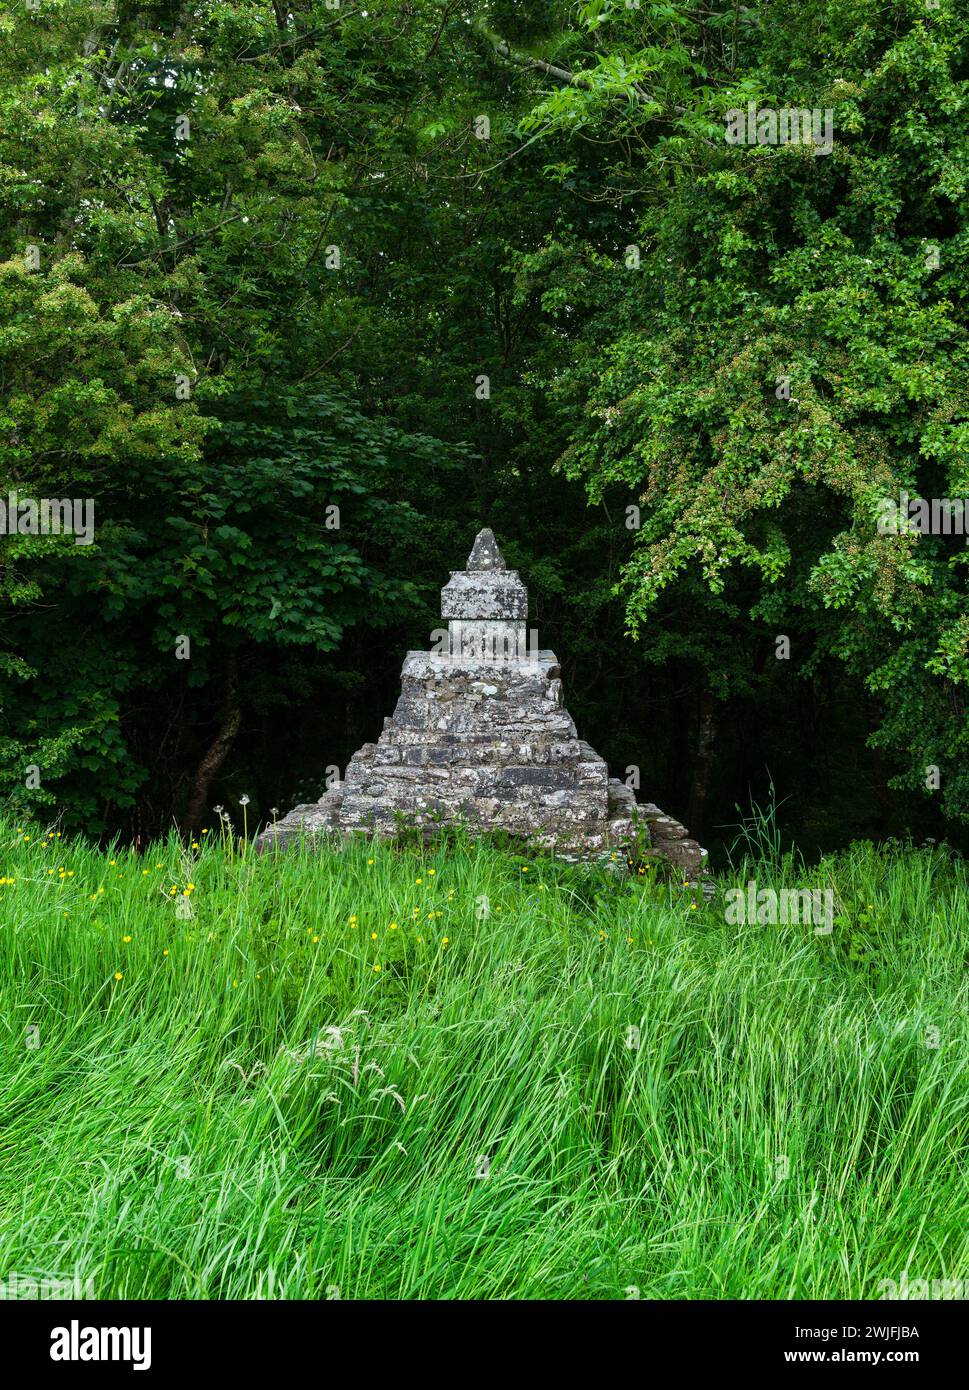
(256,260)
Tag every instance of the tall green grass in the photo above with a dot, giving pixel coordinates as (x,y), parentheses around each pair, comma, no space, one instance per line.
(560,1083)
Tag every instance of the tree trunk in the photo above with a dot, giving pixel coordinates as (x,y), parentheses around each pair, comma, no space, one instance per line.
(882,792)
(703,764)
(217,751)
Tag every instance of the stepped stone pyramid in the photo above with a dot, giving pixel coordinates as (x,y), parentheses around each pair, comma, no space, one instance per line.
(481,735)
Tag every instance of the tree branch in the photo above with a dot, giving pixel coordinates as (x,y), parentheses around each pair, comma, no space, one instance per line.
(573,79)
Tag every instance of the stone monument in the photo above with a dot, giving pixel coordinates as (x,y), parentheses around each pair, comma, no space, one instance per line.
(481,736)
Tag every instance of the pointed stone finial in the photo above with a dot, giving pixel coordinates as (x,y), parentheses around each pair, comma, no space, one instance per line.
(485,554)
